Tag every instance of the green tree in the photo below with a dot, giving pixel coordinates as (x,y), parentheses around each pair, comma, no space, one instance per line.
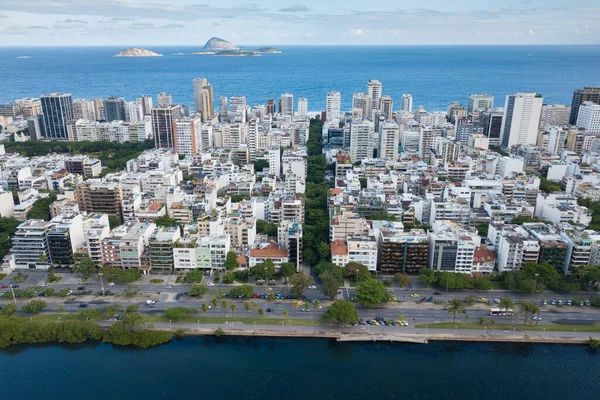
(232,307)
(285,313)
(358,271)
(228,278)
(316,304)
(204,308)
(246,291)
(266,228)
(300,282)
(231,261)
(85,266)
(132,308)
(8,310)
(179,313)
(198,290)
(369,292)
(113,222)
(34,306)
(528,308)
(49,291)
(259,165)
(264,270)
(214,302)
(194,276)
(131,290)
(506,303)
(271,298)
(247,306)
(455,306)
(402,279)
(329,285)
(427,276)
(41,208)
(341,311)
(165,220)
(224,305)
(287,270)
(260,312)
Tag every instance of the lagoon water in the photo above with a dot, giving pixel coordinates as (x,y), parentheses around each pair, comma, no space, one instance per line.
(247,368)
(434,75)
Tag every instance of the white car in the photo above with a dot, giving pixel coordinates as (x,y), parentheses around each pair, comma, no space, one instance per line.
(111,284)
(497,301)
(312,287)
(168,287)
(44,284)
(210,284)
(260,280)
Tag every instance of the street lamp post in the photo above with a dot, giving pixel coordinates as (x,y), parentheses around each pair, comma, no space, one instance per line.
(534,284)
(100,274)
(170,325)
(198,324)
(13,293)
(254,330)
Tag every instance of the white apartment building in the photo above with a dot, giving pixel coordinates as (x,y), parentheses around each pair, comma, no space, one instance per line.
(389,140)
(589,117)
(554,115)
(302,107)
(287,104)
(333,107)
(521,119)
(363,250)
(480,102)
(361,140)
(406,103)
(374,91)
(187,136)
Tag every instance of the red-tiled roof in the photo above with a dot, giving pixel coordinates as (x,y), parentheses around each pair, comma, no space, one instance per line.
(338,247)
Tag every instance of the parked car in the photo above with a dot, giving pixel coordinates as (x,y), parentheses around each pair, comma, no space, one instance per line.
(560,302)
(553,302)
(544,302)
(83,305)
(168,287)
(587,303)
(569,302)
(260,280)
(81,288)
(581,303)
(4,286)
(430,299)
(312,287)
(437,293)
(415,296)
(210,284)
(269,310)
(14,286)
(111,284)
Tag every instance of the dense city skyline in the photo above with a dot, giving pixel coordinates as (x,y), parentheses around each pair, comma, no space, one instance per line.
(309,22)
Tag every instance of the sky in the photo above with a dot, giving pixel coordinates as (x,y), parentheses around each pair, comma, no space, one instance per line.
(309,22)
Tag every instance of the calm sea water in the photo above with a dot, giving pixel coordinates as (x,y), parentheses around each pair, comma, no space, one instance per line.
(300,369)
(434,75)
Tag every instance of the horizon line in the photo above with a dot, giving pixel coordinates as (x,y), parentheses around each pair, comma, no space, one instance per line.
(307,45)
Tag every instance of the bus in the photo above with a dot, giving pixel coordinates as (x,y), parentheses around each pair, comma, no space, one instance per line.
(501,311)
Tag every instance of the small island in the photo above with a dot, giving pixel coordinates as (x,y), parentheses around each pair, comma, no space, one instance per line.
(220,47)
(136,52)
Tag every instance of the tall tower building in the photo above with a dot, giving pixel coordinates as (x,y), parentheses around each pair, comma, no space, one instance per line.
(589,117)
(374,89)
(237,109)
(163,119)
(389,140)
(146,103)
(480,102)
(165,99)
(491,120)
(187,136)
(407,103)
(287,104)
(58,110)
(555,114)
(223,109)
(133,111)
(84,109)
(204,98)
(99,108)
(270,107)
(361,140)
(302,107)
(579,97)
(522,113)
(114,109)
(386,106)
(362,102)
(333,107)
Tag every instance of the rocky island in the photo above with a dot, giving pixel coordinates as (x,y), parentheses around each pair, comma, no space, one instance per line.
(135,52)
(221,47)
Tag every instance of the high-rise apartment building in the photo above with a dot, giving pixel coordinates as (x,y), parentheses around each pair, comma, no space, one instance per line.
(84,109)
(386,106)
(407,103)
(374,90)
(114,109)
(333,106)
(165,99)
(491,120)
(223,109)
(237,109)
(362,102)
(556,114)
(579,97)
(146,103)
(133,111)
(389,140)
(521,119)
(187,136)
(204,98)
(100,197)
(302,107)
(163,118)
(270,107)
(287,104)
(361,139)
(57,109)
(589,117)
(480,102)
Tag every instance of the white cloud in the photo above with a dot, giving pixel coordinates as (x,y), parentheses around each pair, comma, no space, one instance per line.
(357,32)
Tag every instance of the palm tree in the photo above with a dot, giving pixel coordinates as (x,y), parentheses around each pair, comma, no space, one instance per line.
(247,306)
(232,308)
(204,308)
(528,308)
(260,312)
(224,306)
(507,304)
(481,320)
(214,302)
(316,304)
(285,313)
(455,306)
(255,305)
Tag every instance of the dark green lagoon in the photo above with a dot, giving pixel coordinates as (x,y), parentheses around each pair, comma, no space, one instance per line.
(285,369)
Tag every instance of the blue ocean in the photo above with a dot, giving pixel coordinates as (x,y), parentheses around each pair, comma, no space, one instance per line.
(434,75)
